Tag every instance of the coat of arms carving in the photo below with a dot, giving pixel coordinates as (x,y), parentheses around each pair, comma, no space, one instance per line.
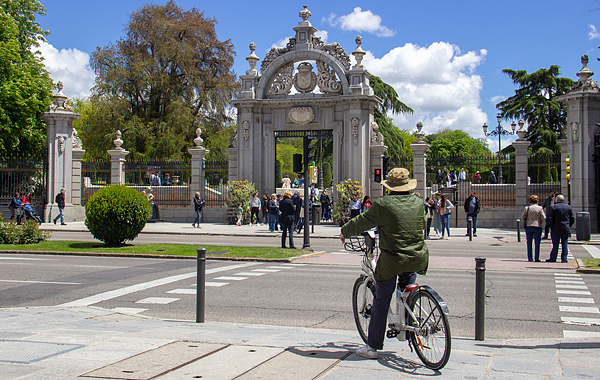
(305,80)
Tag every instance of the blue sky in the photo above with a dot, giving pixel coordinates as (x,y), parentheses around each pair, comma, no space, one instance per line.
(445,58)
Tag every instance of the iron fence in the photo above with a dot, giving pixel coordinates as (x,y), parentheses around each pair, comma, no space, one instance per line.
(25,175)
(95,175)
(216,174)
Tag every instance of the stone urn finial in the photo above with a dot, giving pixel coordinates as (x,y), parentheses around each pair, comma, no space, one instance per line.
(252,59)
(420,135)
(59,98)
(118,142)
(305,13)
(521,132)
(198,140)
(359,53)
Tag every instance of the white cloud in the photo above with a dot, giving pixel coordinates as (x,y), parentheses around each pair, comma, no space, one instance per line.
(71,66)
(593,33)
(280,43)
(323,34)
(497,99)
(439,82)
(361,21)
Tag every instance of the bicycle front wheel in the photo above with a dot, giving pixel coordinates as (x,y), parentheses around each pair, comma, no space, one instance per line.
(362,304)
(431,340)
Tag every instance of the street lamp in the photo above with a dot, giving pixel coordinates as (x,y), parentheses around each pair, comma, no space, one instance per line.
(499,131)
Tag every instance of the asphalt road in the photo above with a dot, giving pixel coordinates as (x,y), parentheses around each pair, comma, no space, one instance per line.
(519,304)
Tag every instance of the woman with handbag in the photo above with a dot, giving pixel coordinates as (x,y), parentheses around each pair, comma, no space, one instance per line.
(533,218)
(445,207)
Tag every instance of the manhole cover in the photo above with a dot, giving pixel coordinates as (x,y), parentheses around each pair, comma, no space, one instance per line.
(18,351)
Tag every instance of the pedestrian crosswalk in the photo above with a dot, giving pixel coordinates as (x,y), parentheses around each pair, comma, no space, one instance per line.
(572,292)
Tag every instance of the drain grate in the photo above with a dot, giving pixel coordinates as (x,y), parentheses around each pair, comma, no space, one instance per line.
(19,351)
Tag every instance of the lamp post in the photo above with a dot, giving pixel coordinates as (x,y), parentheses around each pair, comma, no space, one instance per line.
(499,131)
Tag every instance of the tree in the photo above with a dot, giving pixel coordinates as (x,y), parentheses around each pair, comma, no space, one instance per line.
(535,102)
(25,85)
(166,77)
(448,142)
(389,102)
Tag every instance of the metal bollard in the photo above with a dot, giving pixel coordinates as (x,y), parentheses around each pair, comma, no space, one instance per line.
(470,227)
(200,284)
(519,230)
(480,298)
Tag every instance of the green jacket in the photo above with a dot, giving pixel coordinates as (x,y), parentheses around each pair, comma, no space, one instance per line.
(401,220)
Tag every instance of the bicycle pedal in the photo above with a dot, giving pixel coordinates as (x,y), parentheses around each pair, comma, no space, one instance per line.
(392,333)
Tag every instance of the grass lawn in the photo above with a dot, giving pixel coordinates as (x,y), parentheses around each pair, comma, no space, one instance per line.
(155,249)
(591,263)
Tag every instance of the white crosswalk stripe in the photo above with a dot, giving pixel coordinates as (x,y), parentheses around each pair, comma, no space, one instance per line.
(573,284)
(575,300)
(581,321)
(158,300)
(579,309)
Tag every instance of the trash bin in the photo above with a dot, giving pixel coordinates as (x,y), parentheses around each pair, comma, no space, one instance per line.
(316,214)
(583,225)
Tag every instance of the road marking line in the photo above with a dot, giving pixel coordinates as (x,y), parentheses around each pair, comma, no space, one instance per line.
(98,266)
(339,253)
(592,250)
(569,282)
(575,300)
(24,258)
(579,309)
(231,278)
(128,310)
(215,284)
(182,291)
(266,270)
(581,321)
(280,267)
(158,300)
(571,334)
(43,282)
(87,301)
(567,275)
(249,274)
(578,292)
(559,286)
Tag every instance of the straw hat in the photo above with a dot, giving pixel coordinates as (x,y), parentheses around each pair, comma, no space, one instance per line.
(399,180)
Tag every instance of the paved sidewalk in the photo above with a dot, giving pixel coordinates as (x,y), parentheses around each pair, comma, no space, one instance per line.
(92,343)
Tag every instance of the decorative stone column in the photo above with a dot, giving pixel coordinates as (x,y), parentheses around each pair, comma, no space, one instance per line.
(198,161)
(76,188)
(59,134)
(521,166)
(420,161)
(117,161)
(564,151)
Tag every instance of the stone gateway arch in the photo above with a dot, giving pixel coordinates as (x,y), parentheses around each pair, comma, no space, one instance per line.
(289,95)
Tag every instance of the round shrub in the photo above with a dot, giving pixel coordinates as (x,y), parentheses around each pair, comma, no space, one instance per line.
(116,213)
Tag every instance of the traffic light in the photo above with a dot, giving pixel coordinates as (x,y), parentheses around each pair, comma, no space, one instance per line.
(297,161)
(385,166)
(377,175)
(568,162)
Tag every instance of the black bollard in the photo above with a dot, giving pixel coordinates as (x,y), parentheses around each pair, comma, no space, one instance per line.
(200,284)
(519,230)
(480,298)
(470,227)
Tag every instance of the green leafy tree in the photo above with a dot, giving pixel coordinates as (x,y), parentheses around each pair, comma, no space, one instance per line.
(166,77)
(535,102)
(448,142)
(25,85)
(392,136)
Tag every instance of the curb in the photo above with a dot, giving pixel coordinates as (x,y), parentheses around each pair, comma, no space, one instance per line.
(581,268)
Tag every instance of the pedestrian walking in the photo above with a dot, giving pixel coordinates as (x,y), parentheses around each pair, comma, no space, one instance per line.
(286,206)
(492,178)
(198,205)
(354,207)
(167,180)
(561,219)
(325,205)
(445,211)
(297,201)
(439,178)
(287,182)
(477,177)
(278,224)
(533,216)
(366,204)
(239,213)
(429,207)
(254,208)
(462,176)
(14,206)
(548,202)
(60,202)
(472,207)
(437,219)
(448,178)
(155,180)
(273,211)
(265,208)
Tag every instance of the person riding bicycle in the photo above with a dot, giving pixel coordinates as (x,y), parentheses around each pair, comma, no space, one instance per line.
(400,219)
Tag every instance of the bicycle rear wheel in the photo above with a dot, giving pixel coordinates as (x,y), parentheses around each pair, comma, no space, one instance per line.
(432,340)
(362,305)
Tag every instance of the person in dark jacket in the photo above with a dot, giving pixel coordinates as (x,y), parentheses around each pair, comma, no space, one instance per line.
(297,201)
(286,206)
(472,207)
(60,201)
(561,219)
(439,178)
(198,204)
(273,212)
(492,178)
(14,205)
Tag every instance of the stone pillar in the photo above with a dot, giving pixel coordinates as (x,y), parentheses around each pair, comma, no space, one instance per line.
(117,161)
(376,162)
(521,168)
(59,134)
(198,160)
(76,186)
(420,161)
(564,184)
(583,112)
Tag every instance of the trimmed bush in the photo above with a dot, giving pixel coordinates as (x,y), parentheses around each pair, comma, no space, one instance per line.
(239,192)
(345,190)
(116,213)
(28,233)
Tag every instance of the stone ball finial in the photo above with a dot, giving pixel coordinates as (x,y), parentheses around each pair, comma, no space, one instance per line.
(359,53)
(198,140)
(252,59)
(118,142)
(305,13)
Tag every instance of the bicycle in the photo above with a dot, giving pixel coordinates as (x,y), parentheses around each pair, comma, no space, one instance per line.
(419,315)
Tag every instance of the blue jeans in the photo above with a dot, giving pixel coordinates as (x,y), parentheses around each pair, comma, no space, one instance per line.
(61,215)
(533,233)
(272,221)
(474,216)
(287,227)
(556,239)
(198,216)
(445,220)
(381,303)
